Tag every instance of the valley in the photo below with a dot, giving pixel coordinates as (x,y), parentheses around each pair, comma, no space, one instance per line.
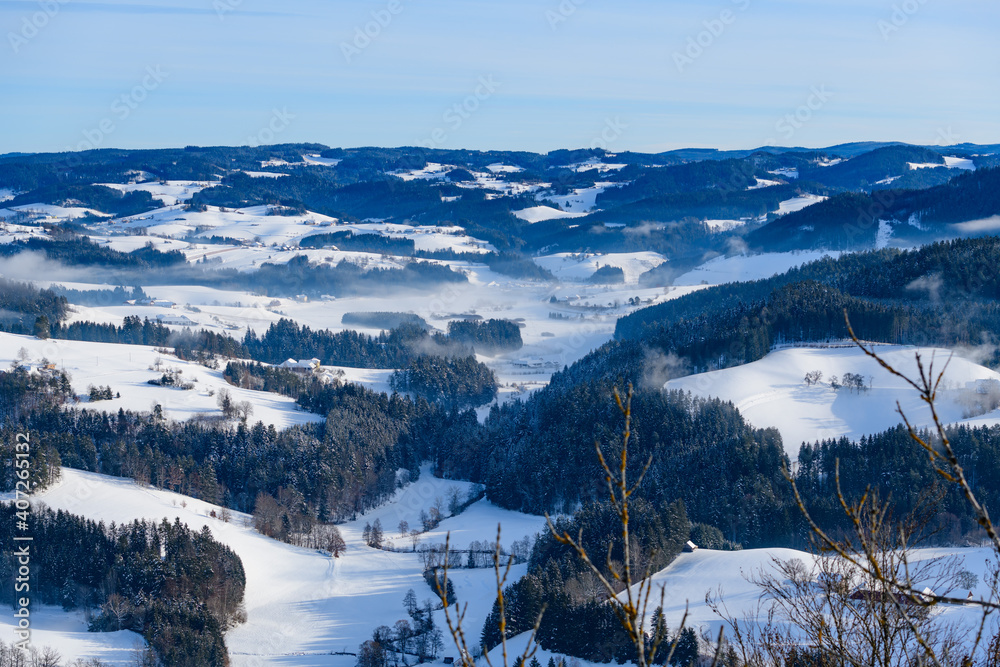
(274,345)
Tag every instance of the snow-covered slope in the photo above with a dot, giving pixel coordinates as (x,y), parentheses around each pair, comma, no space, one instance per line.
(170,192)
(772,391)
(541,213)
(51,627)
(318,161)
(798,203)
(127,368)
(249,224)
(725,575)
(302,605)
(949,162)
(581,200)
(749,267)
(433,171)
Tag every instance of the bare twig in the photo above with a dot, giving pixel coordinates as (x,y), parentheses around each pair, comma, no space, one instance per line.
(456,619)
(632,611)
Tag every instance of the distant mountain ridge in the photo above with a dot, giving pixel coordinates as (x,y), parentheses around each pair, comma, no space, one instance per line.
(684,204)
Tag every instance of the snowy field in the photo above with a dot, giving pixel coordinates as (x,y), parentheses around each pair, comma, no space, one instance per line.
(542,213)
(127,368)
(725,225)
(581,200)
(67,633)
(248,224)
(749,267)
(301,604)
(579,267)
(169,192)
(772,391)
(433,171)
(594,163)
(10,232)
(798,203)
(949,162)
(321,161)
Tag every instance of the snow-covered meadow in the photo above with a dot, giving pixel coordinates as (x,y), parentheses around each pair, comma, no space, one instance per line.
(127,369)
(302,605)
(772,392)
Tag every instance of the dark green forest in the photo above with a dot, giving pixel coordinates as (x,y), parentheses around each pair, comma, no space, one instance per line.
(178,588)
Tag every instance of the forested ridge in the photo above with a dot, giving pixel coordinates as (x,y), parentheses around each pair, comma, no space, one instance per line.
(295,277)
(22,303)
(81,251)
(344,466)
(539,456)
(178,588)
(456,382)
(944,293)
(892,465)
(851,220)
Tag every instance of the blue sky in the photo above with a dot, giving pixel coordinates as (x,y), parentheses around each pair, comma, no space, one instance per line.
(515,74)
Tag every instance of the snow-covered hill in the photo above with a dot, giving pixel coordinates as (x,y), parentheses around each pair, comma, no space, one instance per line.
(302,605)
(542,213)
(66,632)
(798,203)
(737,268)
(773,392)
(127,370)
(169,192)
(725,574)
